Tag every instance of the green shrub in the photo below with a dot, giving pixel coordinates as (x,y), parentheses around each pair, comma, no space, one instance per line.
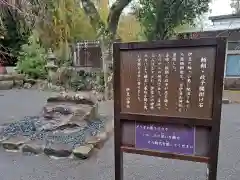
(87,81)
(32,59)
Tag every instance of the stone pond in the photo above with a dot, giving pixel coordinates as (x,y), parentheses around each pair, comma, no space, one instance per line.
(69,125)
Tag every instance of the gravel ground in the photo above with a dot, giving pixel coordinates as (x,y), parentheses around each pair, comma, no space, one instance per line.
(15,166)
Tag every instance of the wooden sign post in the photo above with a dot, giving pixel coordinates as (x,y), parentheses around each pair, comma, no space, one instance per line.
(167,100)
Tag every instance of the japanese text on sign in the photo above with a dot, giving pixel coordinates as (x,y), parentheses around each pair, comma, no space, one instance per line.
(178,82)
(165,138)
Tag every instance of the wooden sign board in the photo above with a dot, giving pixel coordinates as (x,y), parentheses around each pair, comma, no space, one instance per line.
(167,82)
(87,54)
(167,100)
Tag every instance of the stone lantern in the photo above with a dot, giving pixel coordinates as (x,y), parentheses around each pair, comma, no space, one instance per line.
(51,66)
(51,57)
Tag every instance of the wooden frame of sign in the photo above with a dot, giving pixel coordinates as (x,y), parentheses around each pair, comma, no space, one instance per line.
(167,100)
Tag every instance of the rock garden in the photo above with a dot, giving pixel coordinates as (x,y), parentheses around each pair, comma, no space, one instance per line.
(69,125)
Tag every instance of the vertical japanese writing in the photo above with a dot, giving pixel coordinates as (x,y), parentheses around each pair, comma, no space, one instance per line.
(159,80)
(152,87)
(174,60)
(181,85)
(165,138)
(146,80)
(128,98)
(189,80)
(166,79)
(139,66)
(201,94)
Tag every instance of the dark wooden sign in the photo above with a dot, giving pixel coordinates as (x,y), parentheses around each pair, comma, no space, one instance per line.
(170,82)
(167,100)
(87,54)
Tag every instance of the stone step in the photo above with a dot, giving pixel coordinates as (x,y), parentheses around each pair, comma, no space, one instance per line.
(14,143)
(84,151)
(6,85)
(58,150)
(11,77)
(34,147)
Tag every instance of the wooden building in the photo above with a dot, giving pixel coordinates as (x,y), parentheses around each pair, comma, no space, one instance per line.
(224,26)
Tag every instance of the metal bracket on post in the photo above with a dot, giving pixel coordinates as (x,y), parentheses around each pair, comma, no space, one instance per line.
(207,173)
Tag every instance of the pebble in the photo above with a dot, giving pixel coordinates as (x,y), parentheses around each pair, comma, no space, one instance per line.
(31,126)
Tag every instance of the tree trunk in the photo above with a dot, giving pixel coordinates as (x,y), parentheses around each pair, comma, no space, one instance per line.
(106,34)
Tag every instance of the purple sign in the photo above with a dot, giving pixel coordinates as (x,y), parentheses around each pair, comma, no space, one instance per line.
(165,138)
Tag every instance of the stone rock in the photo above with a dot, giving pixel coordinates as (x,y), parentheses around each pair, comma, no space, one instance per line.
(69,130)
(27,85)
(109,128)
(99,140)
(80,98)
(95,141)
(18,76)
(225,101)
(62,110)
(5,85)
(48,115)
(18,83)
(46,127)
(14,143)
(100,97)
(58,150)
(30,81)
(56,88)
(34,147)
(85,112)
(49,111)
(85,98)
(84,151)
(53,87)
(71,123)
(2,139)
(39,84)
(8,77)
(103,136)
(65,114)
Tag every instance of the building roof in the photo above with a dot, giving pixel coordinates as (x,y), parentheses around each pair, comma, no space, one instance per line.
(212,28)
(231,26)
(219,27)
(221,17)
